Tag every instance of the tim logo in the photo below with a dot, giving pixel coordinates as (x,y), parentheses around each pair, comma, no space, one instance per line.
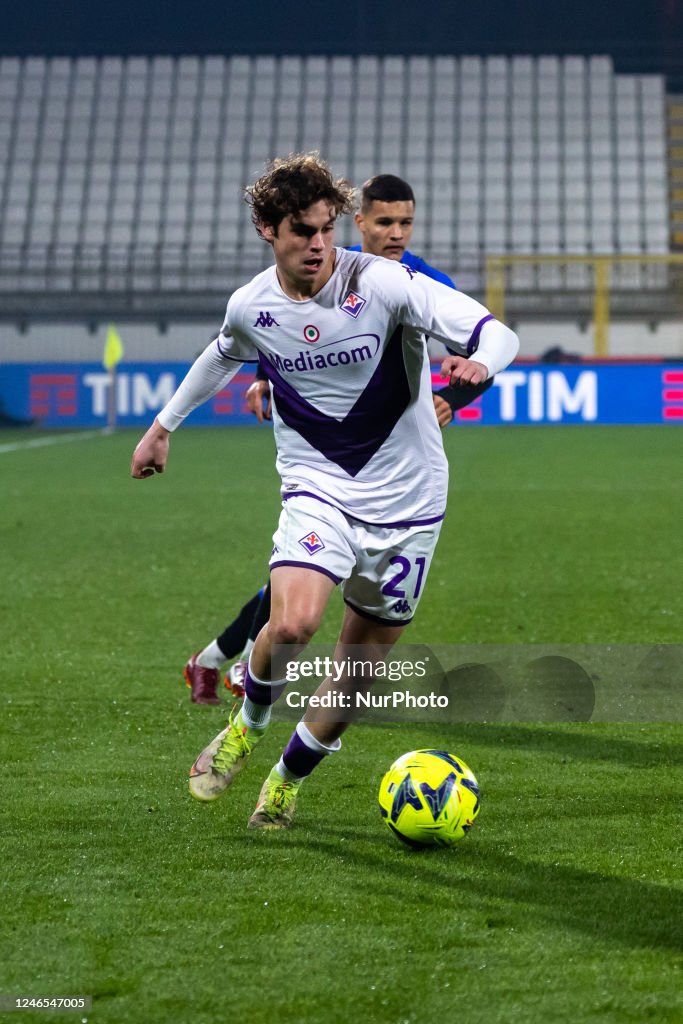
(311,543)
(266,320)
(352,304)
(52,393)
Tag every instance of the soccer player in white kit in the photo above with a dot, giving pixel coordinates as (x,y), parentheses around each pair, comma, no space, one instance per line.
(385,222)
(364,476)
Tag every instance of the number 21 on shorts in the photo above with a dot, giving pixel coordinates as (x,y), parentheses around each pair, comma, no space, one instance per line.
(402,568)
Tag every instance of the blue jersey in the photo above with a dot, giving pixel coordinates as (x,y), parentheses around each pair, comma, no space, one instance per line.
(417,263)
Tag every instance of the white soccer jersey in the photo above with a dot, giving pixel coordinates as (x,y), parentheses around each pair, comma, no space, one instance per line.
(350,377)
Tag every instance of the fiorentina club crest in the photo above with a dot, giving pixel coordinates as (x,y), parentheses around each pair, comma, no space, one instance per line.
(311,543)
(352,304)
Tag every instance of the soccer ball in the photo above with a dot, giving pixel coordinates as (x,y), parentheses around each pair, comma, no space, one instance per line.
(429,798)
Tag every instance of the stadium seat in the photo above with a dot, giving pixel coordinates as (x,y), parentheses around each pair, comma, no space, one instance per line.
(521,151)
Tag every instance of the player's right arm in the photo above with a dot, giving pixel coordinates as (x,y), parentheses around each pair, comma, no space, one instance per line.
(210,372)
(151,452)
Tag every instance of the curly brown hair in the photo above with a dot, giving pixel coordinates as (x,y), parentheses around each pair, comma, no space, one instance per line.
(292,184)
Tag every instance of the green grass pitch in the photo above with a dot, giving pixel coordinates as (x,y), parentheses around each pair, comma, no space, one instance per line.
(564,904)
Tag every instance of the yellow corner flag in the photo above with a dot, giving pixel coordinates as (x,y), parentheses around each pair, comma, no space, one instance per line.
(113,349)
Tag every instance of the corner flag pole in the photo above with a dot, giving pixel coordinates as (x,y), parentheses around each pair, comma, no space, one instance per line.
(113,354)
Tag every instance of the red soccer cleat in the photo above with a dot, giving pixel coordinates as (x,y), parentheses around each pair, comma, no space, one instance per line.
(203,682)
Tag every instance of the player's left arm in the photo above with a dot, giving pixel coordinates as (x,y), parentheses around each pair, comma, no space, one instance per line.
(486,346)
(500,346)
(448,400)
(456,319)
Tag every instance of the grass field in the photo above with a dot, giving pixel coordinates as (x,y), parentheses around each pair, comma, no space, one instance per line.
(564,905)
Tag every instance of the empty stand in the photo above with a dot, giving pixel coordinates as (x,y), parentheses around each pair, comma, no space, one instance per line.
(128,173)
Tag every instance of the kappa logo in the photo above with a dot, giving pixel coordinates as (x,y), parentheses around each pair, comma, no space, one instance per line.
(409,271)
(266,320)
(353,304)
(311,543)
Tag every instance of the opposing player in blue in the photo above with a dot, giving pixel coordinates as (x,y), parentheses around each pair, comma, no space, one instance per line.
(385,222)
(340,336)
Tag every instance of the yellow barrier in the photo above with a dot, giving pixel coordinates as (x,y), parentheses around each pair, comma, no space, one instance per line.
(497,266)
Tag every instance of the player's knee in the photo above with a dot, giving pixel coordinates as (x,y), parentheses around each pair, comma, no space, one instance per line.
(297,629)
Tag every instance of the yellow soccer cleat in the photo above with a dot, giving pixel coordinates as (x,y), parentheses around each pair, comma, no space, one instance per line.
(276,803)
(218,764)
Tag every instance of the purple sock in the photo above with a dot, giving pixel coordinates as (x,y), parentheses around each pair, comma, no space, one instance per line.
(299,759)
(263,693)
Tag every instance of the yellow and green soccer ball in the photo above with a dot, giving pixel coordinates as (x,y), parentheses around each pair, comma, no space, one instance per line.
(429,798)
